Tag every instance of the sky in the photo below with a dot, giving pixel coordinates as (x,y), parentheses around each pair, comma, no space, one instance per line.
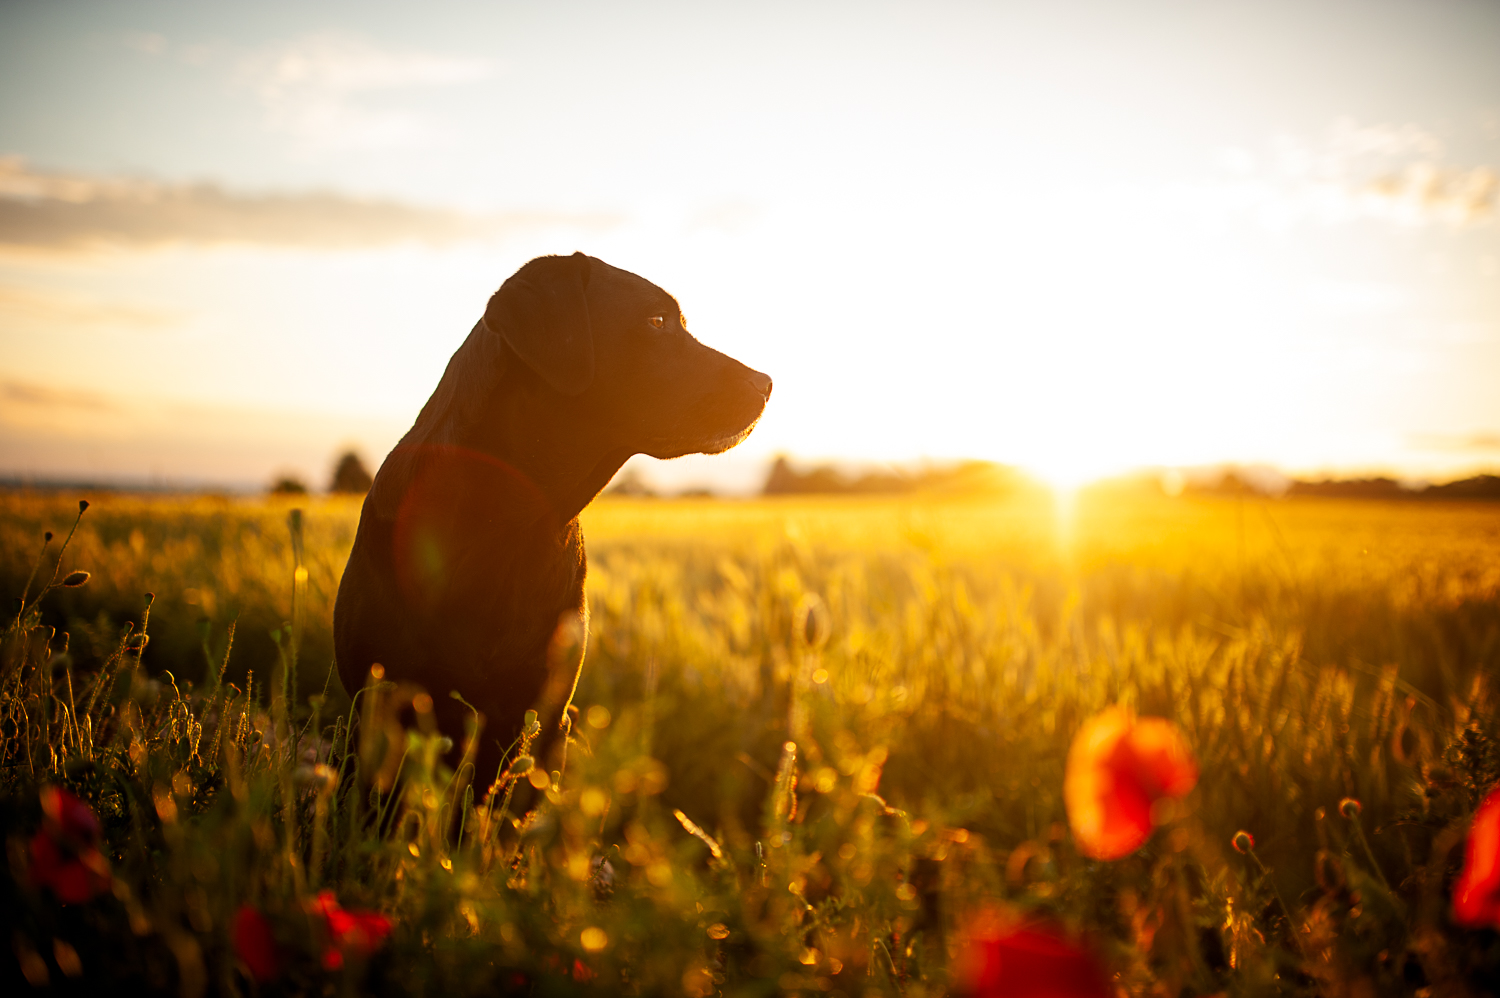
(1076,237)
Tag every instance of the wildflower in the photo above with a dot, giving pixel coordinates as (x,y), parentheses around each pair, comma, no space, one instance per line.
(1476,893)
(65,854)
(357,933)
(1243,842)
(1010,961)
(1119,770)
(255,945)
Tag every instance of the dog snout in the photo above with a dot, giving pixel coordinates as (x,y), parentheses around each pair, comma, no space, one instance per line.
(761,383)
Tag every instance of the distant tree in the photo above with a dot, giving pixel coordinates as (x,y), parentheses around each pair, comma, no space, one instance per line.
(962,478)
(784,479)
(350,476)
(1351,488)
(288,485)
(1478,487)
(630,483)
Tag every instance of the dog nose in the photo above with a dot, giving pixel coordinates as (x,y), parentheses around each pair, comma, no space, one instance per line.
(760,383)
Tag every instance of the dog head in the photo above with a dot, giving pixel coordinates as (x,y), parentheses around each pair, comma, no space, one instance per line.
(616,348)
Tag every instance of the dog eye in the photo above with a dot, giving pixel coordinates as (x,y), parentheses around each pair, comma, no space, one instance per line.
(658,321)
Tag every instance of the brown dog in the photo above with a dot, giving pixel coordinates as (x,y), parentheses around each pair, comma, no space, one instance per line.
(468,568)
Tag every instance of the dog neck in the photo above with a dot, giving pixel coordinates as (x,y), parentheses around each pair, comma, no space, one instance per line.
(489,402)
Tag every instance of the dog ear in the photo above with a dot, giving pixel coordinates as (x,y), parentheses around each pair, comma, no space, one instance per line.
(541,312)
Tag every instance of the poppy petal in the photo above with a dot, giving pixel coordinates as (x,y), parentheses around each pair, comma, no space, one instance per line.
(1476,893)
(69,815)
(1118,767)
(256,944)
(360,932)
(1162,754)
(73,879)
(1031,962)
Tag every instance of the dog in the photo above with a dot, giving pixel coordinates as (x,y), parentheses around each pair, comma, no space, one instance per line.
(467,571)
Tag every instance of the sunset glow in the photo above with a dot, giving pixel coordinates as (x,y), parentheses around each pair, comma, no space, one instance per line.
(1079,241)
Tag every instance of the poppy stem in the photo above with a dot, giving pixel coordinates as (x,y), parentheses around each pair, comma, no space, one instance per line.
(1370,853)
(1276,892)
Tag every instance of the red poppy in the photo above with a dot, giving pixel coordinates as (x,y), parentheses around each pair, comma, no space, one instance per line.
(359,933)
(1119,768)
(1013,961)
(256,945)
(65,854)
(1476,893)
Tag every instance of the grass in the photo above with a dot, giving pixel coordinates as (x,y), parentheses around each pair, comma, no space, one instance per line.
(816,738)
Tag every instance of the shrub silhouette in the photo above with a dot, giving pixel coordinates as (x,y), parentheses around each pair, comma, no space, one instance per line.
(350,476)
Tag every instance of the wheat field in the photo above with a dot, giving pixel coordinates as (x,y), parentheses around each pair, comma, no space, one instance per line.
(816,738)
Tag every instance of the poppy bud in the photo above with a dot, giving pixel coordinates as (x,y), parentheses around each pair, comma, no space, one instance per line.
(813,626)
(75,579)
(1350,808)
(1243,841)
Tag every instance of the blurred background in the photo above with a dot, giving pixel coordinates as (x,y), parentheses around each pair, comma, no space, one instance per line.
(1077,238)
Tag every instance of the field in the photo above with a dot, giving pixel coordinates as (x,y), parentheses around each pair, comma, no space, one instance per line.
(820,744)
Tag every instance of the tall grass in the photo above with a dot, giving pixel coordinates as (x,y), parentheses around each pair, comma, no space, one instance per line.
(815,738)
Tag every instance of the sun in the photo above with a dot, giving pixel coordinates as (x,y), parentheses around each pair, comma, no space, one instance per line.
(1066,463)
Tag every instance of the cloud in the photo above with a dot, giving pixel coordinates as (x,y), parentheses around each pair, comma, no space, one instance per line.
(147,43)
(320,88)
(1475,442)
(1392,173)
(1358,297)
(731,216)
(50,432)
(1425,192)
(42,397)
(51,310)
(313,87)
(67,212)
